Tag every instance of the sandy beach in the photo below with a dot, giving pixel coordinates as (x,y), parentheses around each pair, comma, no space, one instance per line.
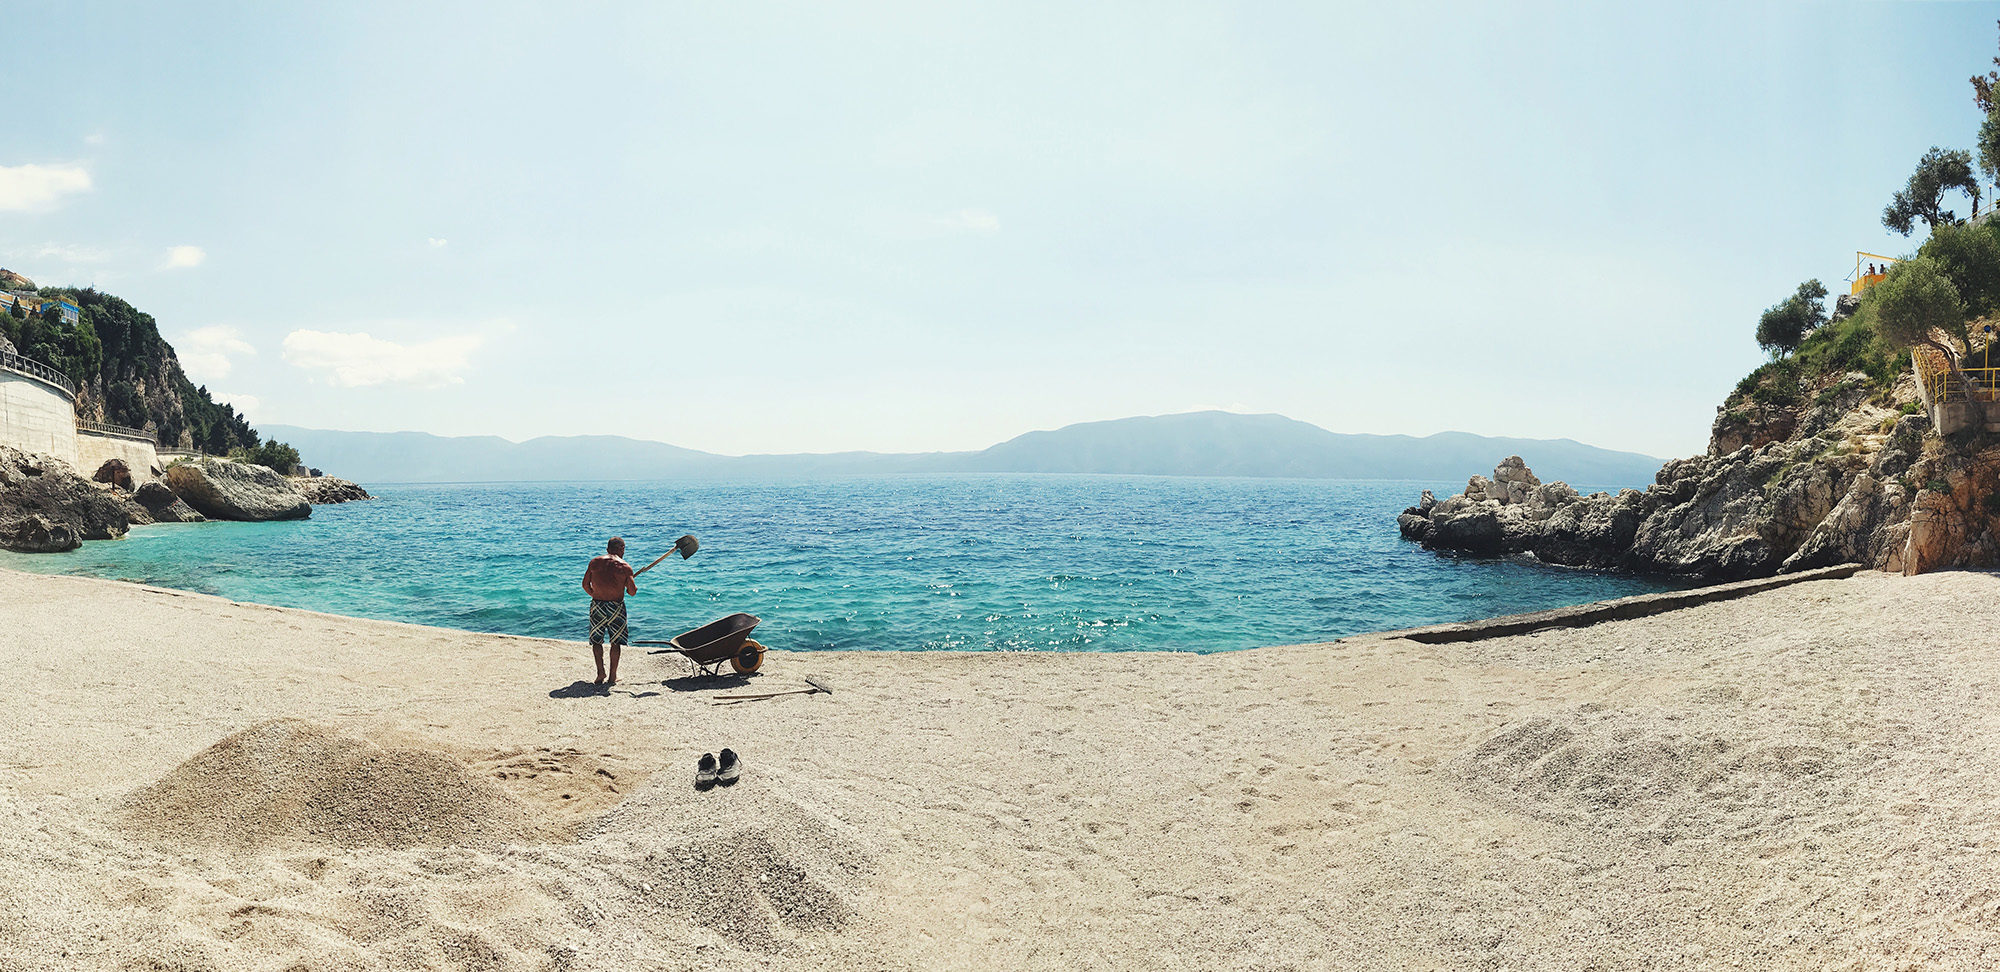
(1799,779)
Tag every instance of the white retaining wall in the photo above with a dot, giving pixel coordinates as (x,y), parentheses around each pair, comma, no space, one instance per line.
(94,448)
(37,417)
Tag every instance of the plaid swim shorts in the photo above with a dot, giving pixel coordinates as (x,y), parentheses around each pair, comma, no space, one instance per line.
(607,618)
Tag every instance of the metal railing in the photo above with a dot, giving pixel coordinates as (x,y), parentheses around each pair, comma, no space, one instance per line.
(1941,386)
(125,431)
(37,370)
(1980,385)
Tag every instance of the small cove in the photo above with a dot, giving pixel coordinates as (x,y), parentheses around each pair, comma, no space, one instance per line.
(991,562)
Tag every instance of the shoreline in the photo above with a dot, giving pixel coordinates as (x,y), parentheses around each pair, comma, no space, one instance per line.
(1382,632)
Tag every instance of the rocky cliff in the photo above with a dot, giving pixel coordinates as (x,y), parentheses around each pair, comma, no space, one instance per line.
(45,507)
(1848,472)
(125,372)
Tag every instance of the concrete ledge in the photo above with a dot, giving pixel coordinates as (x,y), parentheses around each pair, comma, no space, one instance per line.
(1617,609)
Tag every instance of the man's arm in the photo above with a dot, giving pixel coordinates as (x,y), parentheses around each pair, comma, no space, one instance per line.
(631,587)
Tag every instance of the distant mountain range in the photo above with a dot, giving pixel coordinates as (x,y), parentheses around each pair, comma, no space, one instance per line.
(1191,444)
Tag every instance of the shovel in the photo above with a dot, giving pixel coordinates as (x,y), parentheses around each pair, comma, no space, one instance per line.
(812,685)
(685,546)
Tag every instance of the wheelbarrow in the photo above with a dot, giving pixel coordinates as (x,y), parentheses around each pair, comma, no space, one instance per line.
(717,643)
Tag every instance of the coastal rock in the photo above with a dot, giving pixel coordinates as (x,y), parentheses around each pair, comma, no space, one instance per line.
(1854,482)
(321,490)
(46,507)
(116,473)
(163,506)
(223,490)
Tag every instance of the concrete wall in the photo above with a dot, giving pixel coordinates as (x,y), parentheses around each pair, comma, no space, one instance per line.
(37,417)
(94,448)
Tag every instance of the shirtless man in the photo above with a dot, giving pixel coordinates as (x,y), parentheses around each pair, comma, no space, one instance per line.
(607,580)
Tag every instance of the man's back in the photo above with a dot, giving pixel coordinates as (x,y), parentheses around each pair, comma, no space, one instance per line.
(608,578)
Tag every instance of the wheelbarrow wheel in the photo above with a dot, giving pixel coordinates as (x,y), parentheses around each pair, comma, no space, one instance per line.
(748,659)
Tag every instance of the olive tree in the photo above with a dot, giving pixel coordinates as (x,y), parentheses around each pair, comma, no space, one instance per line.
(1988,145)
(1938,172)
(1785,325)
(1968,256)
(1918,304)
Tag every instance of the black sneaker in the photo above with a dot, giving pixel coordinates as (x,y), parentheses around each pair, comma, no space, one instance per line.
(730,769)
(704,774)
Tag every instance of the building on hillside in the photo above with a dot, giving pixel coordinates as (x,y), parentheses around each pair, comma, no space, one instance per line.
(35,304)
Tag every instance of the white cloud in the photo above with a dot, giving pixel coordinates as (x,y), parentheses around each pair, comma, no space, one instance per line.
(205,352)
(972,220)
(359,359)
(179,257)
(24,187)
(94,138)
(437,242)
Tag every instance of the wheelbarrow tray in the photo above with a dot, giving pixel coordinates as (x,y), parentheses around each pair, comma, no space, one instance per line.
(717,640)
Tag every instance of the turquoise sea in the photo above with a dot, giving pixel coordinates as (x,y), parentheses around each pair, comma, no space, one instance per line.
(1019,562)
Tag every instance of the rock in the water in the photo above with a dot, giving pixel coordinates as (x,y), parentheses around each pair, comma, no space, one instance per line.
(115,472)
(321,490)
(161,503)
(35,534)
(223,490)
(46,507)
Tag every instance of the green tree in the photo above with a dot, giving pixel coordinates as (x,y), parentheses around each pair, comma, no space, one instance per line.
(1785,325)
(1983,89)
(1938,172)
(1988,145)
(1919,305)
(275,455)
(1970,256)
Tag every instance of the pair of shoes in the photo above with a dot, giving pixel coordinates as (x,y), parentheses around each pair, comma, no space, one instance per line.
(712,771)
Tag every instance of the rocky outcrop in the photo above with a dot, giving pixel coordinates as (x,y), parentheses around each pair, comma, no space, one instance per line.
(163,506)
(1830,499)
(1753,425)
(223,490)
(114,472)
(45,507)
(321,490)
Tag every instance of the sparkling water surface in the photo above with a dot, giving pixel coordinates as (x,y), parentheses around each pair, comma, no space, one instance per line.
(1019,562)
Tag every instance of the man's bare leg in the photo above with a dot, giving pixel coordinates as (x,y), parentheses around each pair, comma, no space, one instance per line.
(598,650)
(613,680)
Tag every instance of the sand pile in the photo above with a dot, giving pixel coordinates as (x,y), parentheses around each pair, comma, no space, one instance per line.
(763,866)
(293,781)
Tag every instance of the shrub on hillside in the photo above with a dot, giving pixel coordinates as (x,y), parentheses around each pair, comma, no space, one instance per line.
(275,455)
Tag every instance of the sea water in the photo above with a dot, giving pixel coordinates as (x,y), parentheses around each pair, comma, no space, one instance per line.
(1002,562)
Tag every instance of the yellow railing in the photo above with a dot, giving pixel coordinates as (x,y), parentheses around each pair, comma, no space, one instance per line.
(1863,281)
(1944,387)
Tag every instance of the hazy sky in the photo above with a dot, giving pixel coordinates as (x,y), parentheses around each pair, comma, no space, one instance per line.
(772,227)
